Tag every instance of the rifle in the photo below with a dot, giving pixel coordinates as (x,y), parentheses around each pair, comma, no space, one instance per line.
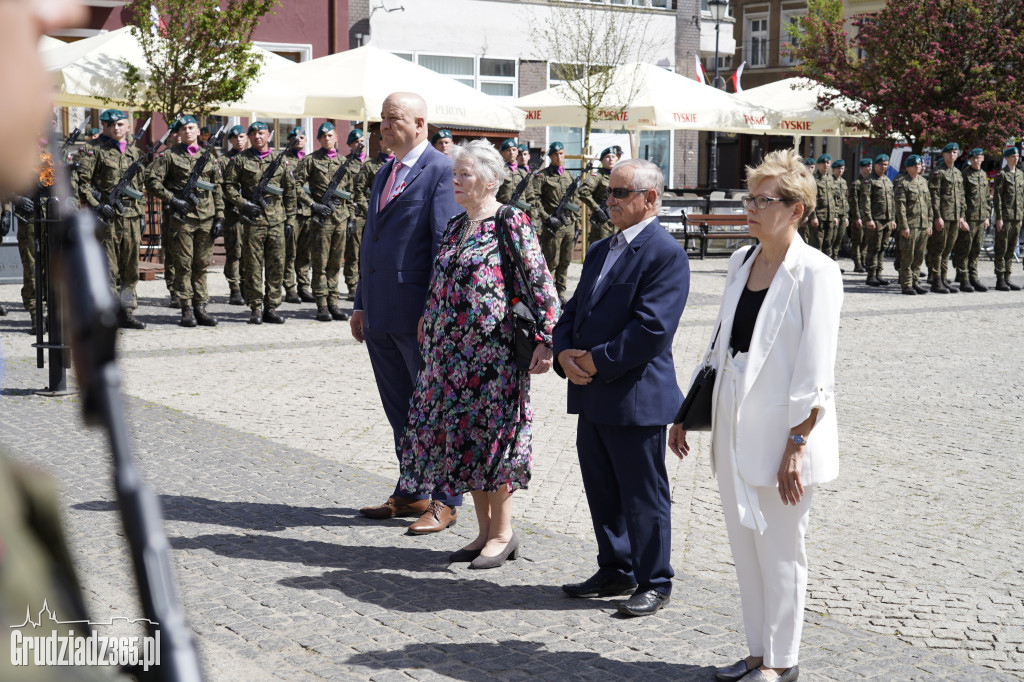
(123,188)
(601,210)
(261,187)
(188,192)
(518,192)
(333,196)
(72,138)
(565,204)
(82,279)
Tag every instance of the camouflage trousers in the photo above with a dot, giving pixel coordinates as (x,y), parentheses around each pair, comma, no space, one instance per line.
(193,251)
(821,237)
(167,248)
(557,248)
(1006,244)
(940,246)
(911,255)
(968,250)
(877,240)
(858,244)
(328,251)
(121,239)
(263,255)
(297,256)
(837,238)
(352,243)
(27,251)
(233,252)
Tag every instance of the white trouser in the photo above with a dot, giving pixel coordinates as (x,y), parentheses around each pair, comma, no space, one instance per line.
(771,565)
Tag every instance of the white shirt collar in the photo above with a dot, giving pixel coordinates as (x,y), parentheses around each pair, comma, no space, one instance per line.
(414,155)
(631,232)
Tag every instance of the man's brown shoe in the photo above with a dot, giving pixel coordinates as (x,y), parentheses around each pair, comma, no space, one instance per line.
(437,517)
(396,506)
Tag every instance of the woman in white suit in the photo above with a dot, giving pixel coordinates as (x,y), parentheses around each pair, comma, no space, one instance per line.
(773,434)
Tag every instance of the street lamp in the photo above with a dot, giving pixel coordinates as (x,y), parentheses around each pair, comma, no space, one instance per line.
(719,9)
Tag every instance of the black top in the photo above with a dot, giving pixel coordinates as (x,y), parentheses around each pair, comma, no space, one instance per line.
(747,309)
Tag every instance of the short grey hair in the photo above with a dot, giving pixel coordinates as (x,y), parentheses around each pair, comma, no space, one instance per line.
(646,175)
(486,160)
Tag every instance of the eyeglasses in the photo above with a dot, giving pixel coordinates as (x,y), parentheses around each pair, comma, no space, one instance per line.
(760,202)
(621,193)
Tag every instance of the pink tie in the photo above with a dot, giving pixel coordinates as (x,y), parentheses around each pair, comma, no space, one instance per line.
(386,194)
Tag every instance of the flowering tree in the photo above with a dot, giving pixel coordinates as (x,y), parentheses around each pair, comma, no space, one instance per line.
(928,71)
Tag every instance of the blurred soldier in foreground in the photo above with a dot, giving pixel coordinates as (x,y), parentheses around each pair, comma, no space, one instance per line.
(233,227)
(914,222)
(979,208)
(595,195)
(949,209)
(29,229)
(1009,202)
(878,211)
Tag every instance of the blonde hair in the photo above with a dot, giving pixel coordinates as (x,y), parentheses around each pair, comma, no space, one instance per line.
(795,183)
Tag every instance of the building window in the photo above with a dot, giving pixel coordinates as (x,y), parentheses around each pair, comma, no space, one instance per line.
(757,41)
(459,68)
(497,77)
(787,41)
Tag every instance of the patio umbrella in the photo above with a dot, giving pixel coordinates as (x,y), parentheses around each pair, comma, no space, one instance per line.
(352,85)
(795,100)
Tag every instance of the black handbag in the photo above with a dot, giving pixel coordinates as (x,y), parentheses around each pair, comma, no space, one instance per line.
(525,330)
(695,412)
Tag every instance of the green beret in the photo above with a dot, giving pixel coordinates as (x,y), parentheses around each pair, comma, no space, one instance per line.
(206,129)
(951,147)
(824,158)
(838,163)
(295,132)
(809,161)
(523,147)
(440,135)
(184,121)
(175,127)
(92,131)
(913,160)
(1010,151)
(236,130)
(257,125)
(865,162)
(555,147)
(325,127)
(507,143)
(113,116)
(881,158)
(618,150)
(354,135)
(606,152)
(977,151)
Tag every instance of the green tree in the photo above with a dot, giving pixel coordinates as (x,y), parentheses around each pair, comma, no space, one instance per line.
(198,54)
(928,71)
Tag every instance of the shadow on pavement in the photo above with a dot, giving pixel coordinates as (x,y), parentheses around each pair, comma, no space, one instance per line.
(523,660)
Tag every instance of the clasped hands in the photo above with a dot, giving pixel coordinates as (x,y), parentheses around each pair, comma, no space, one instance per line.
(578,365)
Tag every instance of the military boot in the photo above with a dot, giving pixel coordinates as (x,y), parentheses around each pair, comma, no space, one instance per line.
(236,297)
(882,282)
(323,314)
(256,316)
(126,320)
(270,315)
(337,313)
(1001,284)
(965,285)
(32,318)
(292,296)
(949,286)
(919,289)
(937,287)
(858,268)
(978,286)
(909,291)
(175,302)
(306,296)
(872,280)
(202,317)
(187,318)
(1011,285)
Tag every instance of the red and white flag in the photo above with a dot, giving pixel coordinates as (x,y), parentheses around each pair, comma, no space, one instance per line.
(736,86)
(702,77)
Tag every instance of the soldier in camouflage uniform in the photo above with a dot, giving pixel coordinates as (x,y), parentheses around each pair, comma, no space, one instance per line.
(265,235)
(233,237)
(102,165)
(28,227)
(825,218)
(979,208)
(1009,204)
(510,153)
(557,237)
(442,141)
(595,193)
(296,262)
(857,240)
(950,209)
(361,188)
(913,222)
(523,162)
(878,210)
(843,203)
(167,256)
(330,224)
(356,210)
(193,237)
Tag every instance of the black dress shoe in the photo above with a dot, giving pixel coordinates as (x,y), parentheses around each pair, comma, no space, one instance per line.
(788,675)
(643,603)
(731,673)
(599,585)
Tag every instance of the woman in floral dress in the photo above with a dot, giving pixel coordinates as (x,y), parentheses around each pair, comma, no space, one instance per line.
(469,420)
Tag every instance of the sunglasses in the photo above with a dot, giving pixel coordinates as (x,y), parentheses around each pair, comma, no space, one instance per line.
(760,202)
(621,193)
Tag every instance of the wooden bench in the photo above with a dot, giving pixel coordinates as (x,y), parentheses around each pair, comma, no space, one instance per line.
(716,226)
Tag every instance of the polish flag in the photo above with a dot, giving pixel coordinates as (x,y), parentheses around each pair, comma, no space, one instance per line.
(736,87)
(702,77)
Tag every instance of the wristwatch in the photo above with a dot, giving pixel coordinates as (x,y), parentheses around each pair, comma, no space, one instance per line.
(798,439)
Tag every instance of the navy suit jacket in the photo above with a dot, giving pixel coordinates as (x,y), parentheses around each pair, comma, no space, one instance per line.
(400,242)
(628,324)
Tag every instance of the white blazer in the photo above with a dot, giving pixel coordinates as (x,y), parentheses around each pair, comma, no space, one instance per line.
(791,364)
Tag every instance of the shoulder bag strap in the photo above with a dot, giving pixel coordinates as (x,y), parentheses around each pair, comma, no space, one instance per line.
(505,243)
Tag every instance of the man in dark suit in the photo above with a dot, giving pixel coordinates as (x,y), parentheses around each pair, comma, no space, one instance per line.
(614,344)
(410,203)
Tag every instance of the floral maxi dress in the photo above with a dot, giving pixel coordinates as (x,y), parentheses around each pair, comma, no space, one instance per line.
(469,419)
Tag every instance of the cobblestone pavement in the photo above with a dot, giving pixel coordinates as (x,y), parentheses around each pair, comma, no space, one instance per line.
(263,441)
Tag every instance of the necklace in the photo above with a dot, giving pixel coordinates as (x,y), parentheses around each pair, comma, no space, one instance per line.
(469,228)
